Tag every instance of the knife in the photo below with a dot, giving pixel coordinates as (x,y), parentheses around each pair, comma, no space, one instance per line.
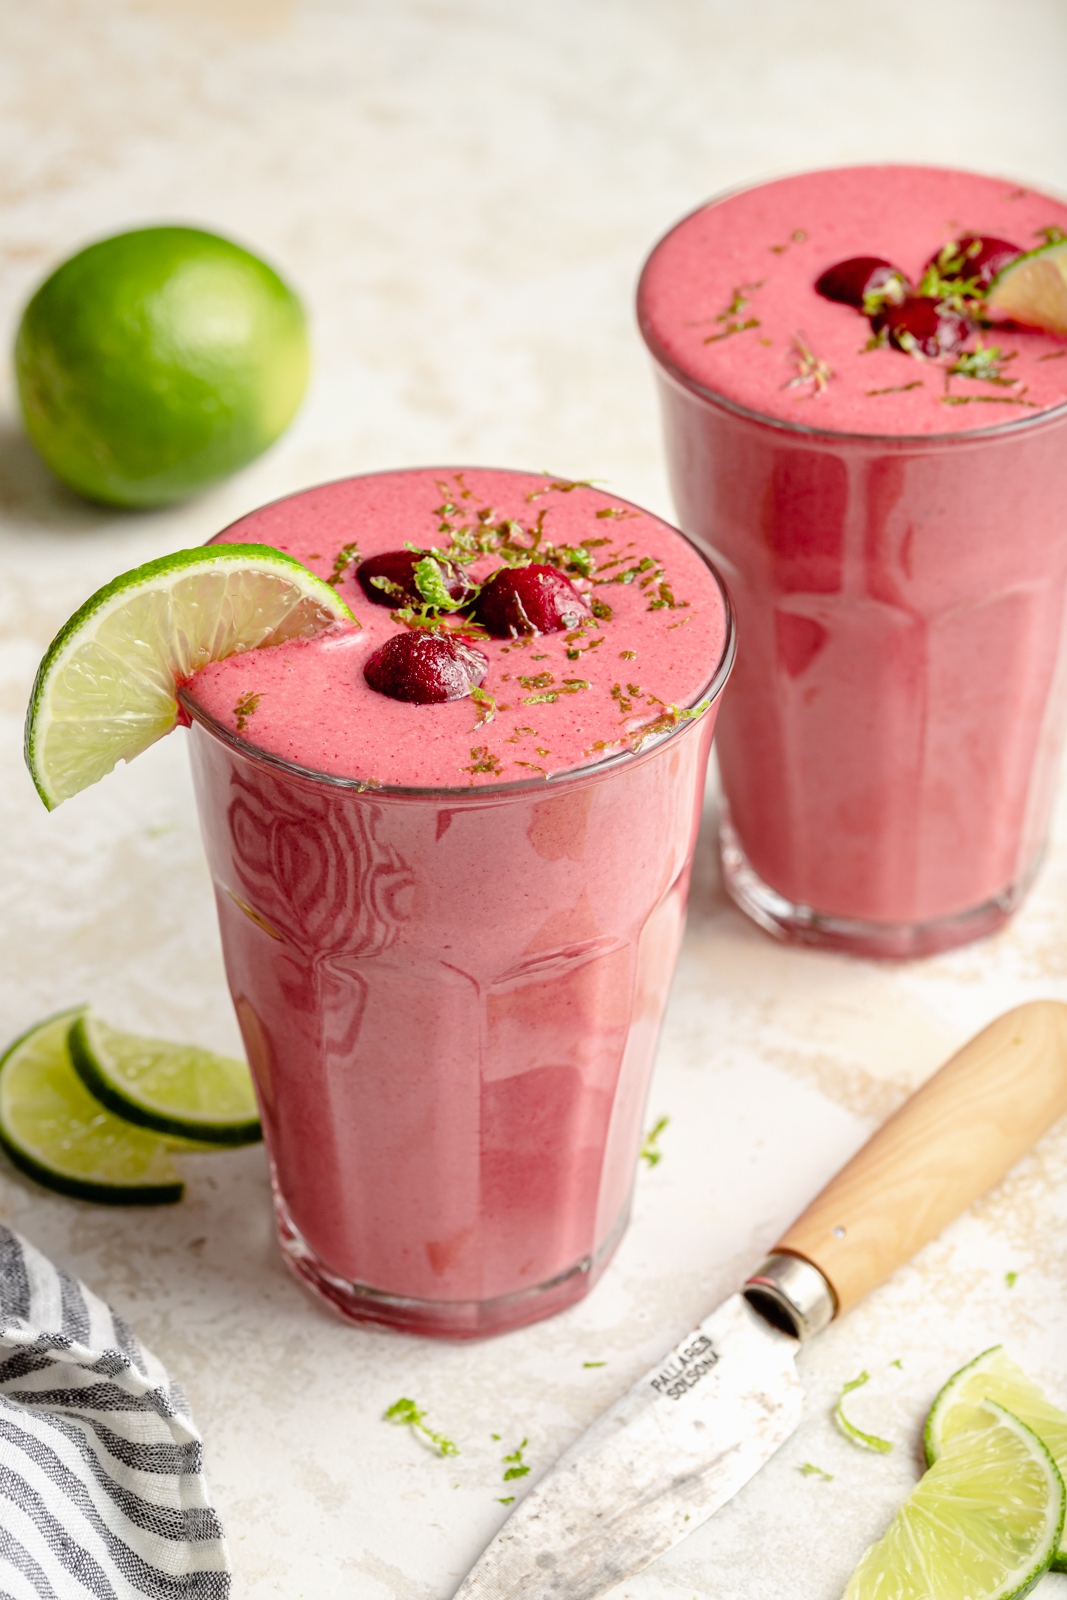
(706,1418)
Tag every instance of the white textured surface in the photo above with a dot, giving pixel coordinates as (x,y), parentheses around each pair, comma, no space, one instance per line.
(463,191)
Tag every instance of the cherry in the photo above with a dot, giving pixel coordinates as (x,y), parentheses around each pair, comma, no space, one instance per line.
(923,326)
(398,566)
(534,599)
(425,667)
(976,255)
(850,282)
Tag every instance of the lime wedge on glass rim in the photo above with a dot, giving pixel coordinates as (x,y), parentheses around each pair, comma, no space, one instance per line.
(106,688)
(1032,290)
(58,1134)
(994,1376)
(984,1523)
(174,1089)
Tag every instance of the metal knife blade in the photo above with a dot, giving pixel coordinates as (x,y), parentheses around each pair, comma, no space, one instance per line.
(700,1424)
(649,1471)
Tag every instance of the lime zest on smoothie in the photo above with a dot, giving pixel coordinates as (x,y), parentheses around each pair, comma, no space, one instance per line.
(986,362)
(245,708)
(107,686)
(483,760)
(486,703)
(809,369)
(347,556)
(406,1414)
(866,1441)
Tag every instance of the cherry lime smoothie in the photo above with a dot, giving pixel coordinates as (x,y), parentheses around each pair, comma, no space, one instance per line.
(882,476)
(451,847)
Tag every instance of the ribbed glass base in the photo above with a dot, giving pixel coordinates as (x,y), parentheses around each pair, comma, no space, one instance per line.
(441,1319)
(886,941)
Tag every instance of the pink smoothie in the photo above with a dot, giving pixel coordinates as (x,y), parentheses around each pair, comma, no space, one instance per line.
(562,700)
(896,547)
(450,975)
(749,263)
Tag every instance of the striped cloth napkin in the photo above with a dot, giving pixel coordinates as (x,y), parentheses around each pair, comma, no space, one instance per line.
(102,1492)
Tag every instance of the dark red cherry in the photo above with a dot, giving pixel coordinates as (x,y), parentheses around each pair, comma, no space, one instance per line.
(425,667)
(923,326)
(850,282)
(398,567)
(534,599)
(974,256)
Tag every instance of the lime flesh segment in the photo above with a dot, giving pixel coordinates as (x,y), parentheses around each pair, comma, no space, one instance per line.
(1033,290)
(106,688)
(994,1376)
(174,1089)
(983,1523)
(55,1131)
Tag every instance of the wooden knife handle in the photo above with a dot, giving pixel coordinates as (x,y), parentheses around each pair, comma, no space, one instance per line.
(955,1138)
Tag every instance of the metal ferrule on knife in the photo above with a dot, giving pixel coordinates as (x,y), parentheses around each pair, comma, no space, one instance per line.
(791,1294)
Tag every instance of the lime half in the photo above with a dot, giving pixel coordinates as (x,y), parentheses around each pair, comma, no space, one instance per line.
(174,1089)
(994,1376)
(1033,289)
(983,1523)
(53,1129)
(106,688)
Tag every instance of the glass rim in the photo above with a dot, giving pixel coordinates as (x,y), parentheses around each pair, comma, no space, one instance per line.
(710,690)
(912,441)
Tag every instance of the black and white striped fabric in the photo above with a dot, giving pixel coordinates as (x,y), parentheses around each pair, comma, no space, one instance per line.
(102,1492)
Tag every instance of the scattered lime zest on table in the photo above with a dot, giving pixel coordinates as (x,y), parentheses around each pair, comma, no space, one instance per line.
(518,1467)
(984,1522)
(1011,1279)
(174,1089)
(810,1470)
(407,1414)
(107,686)
(896,1362)
(867,1441)
(650,1150)
(994,1376)
(594,1363)
(58,1134)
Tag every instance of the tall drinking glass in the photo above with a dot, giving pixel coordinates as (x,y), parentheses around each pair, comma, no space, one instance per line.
(891,740)
(450,1000)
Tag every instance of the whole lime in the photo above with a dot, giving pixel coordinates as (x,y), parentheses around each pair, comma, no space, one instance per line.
(156,361)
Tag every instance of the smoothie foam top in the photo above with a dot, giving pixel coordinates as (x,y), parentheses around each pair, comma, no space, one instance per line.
(728,300)
(554,701)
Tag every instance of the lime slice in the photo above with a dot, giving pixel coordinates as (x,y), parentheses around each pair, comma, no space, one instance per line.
(53,1129)
(994,1376)
(983,1523)
(1033,289)
(175,1089)
(106,688)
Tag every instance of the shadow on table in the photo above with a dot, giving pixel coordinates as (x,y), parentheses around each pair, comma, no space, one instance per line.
(707,896)
(31,497)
